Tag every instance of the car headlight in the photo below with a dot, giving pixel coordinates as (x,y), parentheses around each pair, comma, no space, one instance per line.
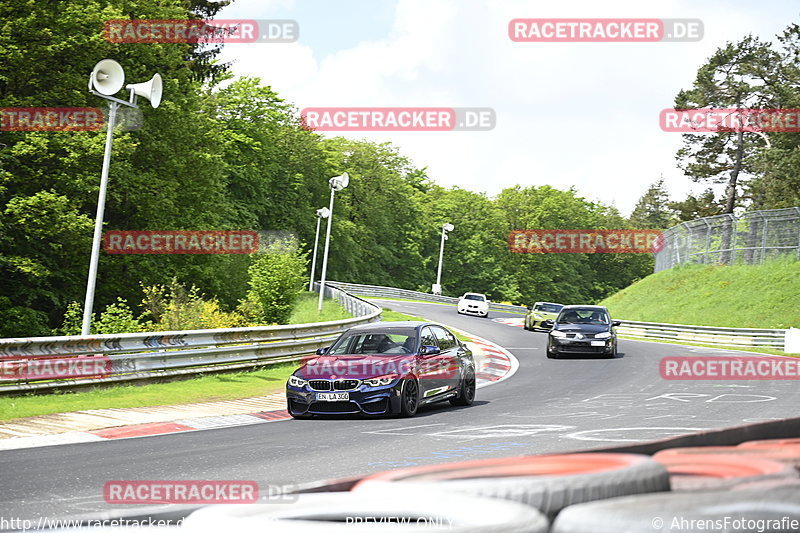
(294,381)
(380,381)
(537,316)
(604,335)
(558,334)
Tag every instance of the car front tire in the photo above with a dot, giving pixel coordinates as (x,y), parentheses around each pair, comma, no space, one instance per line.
(409,398)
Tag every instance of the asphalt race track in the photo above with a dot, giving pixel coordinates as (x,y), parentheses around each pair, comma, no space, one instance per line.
(547,406)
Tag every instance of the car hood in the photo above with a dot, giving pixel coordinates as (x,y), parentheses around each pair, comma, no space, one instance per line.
(545,314)
(356,366)
(582,328)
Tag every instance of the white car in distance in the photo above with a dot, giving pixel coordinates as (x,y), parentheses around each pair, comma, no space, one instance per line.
(473,303)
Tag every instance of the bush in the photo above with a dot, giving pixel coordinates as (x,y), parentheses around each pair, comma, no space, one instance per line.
(173,307)
(116,318)
(276,280)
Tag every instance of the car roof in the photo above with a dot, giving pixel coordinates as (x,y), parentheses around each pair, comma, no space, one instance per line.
(378,326)
(475,293)
(550,303)
(598,307)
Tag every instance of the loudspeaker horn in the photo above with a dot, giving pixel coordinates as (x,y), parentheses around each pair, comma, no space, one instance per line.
(148,89)
(107,77)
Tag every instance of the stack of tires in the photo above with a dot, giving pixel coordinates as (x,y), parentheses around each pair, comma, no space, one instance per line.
(751,487)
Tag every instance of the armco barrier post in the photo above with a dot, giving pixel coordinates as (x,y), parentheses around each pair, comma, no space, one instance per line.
(791,343)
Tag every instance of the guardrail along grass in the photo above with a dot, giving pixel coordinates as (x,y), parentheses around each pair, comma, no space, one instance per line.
(740,296)
(213,387)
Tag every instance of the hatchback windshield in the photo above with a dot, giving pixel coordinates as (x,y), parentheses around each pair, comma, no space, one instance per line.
(387,342)
(583,316)
(548,308)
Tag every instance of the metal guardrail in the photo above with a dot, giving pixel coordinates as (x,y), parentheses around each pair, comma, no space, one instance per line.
(170,353)
(731,337)
(377,291)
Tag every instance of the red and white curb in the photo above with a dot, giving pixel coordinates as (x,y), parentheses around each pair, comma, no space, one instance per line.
(495,364)
(516,322)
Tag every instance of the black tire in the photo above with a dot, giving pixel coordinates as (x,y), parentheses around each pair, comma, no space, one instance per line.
(613,354)
(525,325)
(409,398)
(466,393)
(657,512)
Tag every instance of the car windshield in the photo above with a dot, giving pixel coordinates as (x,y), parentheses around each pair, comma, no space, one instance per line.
(548,308)
(583,316)
(476,297)
(385,342)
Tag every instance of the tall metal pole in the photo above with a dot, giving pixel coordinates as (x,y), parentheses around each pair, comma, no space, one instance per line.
(314,259)
(325,254)
(98,223)
(441,255)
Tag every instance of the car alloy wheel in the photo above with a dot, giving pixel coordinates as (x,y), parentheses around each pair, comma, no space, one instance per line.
(409,400)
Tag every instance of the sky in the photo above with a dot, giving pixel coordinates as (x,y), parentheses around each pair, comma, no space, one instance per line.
(582,115)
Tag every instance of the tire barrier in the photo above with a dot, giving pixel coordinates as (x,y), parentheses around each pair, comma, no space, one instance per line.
(768,511)
(709,471)
(781,454)
(399,511)
(546,482)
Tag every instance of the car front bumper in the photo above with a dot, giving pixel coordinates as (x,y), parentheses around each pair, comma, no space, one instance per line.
(370,401)
(580,346)
(474,311)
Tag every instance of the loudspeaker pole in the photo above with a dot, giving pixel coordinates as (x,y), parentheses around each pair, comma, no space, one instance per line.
(98,222)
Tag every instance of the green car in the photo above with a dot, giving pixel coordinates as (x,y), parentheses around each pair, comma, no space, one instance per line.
(538,313)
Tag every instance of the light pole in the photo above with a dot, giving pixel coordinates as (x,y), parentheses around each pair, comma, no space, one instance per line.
(437,288)
(337,183)
(107,78)
(321,213)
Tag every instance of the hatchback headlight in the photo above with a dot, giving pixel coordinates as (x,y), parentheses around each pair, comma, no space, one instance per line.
(558,334)
(537,316)
(604,335)
(380,381)
(294,381)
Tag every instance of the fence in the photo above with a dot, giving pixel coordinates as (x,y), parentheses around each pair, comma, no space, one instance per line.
(727,239)
(377,291)
(131,356)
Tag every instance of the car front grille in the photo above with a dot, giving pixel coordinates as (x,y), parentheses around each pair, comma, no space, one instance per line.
(580,348)
(334,407)
(338,384)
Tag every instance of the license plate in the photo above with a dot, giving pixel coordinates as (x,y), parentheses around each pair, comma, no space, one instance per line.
(333,396)
(598,343)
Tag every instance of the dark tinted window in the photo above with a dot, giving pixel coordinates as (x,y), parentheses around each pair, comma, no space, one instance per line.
(445,338)
(474,297)
(583,316)
(391,341)
(548,308)
(427,338)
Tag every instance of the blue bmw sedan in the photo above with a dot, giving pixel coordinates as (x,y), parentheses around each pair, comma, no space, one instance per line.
(384,368)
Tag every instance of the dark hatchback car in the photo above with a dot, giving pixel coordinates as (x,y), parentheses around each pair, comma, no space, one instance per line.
(384,368)
(583,329)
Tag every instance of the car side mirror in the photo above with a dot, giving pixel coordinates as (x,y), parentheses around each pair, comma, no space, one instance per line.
(322,351)
(530,308)
(616,323)
(429,350)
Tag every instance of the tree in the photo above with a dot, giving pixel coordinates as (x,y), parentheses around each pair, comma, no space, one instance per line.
(652,211)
